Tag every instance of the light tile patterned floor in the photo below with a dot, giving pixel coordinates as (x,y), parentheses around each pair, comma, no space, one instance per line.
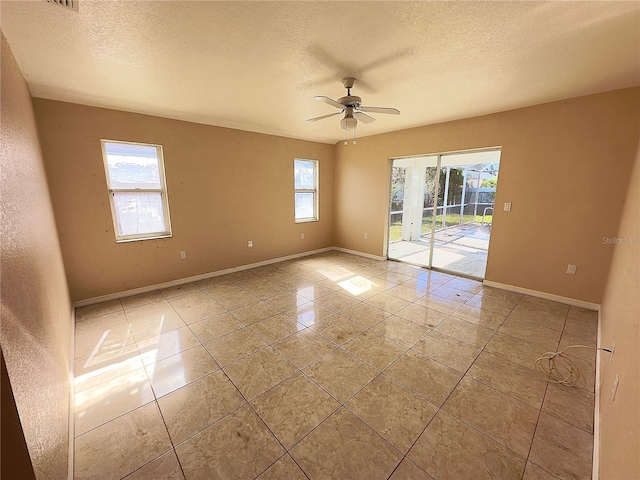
(332,366)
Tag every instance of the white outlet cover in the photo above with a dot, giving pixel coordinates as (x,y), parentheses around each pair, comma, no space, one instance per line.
(507,206)
(571,269)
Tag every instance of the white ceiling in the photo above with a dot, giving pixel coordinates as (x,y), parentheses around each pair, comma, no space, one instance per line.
(257,65)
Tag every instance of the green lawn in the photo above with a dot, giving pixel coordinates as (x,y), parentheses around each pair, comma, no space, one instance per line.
(395,231)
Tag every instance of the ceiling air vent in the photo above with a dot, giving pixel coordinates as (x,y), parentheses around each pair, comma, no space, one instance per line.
(70,4)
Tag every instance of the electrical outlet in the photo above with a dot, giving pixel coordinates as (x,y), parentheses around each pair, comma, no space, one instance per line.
(250,244)
(183,255)
(571,269)
(507,206)
(614,388)
(366,236)
(302,236)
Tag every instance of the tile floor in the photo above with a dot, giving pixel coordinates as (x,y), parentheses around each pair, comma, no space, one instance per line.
(331,366)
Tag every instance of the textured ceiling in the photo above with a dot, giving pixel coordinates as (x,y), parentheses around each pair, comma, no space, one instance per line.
(257,65)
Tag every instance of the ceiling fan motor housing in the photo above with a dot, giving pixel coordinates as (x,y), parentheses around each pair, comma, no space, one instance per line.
(350,101)
(351,106)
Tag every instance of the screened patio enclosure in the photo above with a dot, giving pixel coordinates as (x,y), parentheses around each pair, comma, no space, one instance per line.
(442,210)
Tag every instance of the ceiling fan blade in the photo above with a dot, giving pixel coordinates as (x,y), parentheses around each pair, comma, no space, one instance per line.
(329,101)
(363,117)
(323,116)
(392,111)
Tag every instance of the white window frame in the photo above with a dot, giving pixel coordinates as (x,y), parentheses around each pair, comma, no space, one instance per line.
(162,190)
(314,190)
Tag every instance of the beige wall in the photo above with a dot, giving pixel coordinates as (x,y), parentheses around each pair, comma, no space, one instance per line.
(564,166)
(620,317)
(225,187)
(36,311)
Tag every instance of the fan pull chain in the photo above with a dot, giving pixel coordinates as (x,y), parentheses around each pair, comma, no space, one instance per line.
(346,136)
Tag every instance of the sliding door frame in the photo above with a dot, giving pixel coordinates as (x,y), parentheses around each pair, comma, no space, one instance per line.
(434,215)
(435,199)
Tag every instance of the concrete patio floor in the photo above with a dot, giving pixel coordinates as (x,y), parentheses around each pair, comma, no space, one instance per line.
(461,249)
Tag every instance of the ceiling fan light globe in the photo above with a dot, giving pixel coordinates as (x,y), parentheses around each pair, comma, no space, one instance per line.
(351,106)
(348,123)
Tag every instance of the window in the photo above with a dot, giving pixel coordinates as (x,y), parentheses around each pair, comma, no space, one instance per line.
(305,176)
(137,190)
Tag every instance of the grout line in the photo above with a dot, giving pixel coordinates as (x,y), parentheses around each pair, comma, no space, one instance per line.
(440,408)
(173,447)
(546,388)
(242,405)
(290,287)
(248,403)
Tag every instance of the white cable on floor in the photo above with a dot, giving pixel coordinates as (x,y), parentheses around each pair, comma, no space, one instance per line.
(560,367)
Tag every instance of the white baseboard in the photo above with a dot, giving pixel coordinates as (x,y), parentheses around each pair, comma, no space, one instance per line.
(595,472)
(72,398)
(489,283)
(360,254)
(204,276)
(196,278)
(547,296)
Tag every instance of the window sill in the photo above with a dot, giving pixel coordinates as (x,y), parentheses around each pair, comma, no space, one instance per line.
(145,237)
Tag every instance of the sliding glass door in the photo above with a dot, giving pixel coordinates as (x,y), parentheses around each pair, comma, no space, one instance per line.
(442,210)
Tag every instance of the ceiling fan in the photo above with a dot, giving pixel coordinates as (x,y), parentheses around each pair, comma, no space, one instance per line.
(352,108)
